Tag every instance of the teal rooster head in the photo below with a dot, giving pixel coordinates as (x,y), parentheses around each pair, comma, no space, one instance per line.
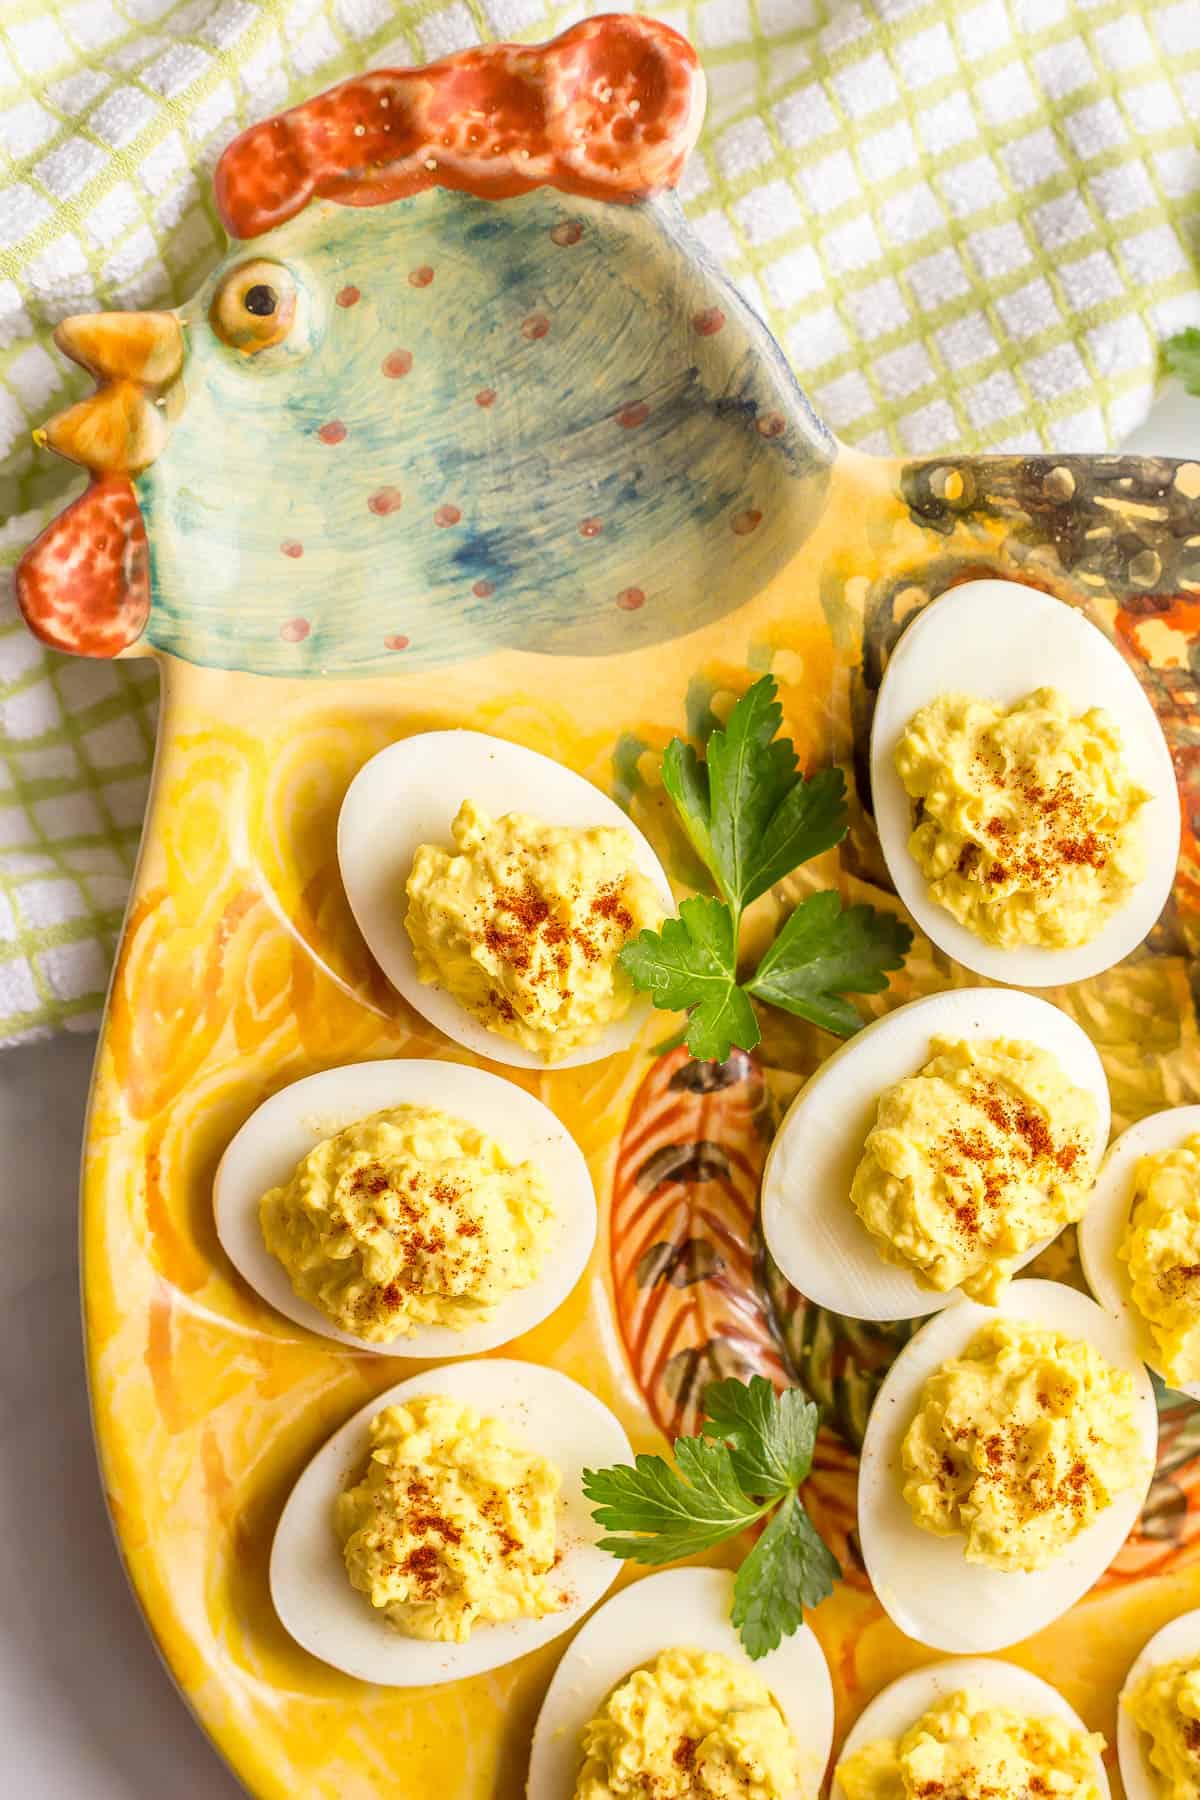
(462,381)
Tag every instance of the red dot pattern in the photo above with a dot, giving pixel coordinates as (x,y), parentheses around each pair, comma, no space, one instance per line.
(318,149)
(389,499)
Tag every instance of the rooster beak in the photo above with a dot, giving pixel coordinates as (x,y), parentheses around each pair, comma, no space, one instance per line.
(145,346)
(119,429)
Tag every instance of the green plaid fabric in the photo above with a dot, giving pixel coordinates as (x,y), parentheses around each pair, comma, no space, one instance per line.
(968,224)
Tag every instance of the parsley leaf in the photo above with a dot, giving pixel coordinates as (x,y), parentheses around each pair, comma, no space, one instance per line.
(685,778)
(771,1436)
(810,819)
(756,1449)
(1181,354)
(671,1516)
(750,771)
(690,964)
(752,818)
(747,809)
(824,952)
(788,1569)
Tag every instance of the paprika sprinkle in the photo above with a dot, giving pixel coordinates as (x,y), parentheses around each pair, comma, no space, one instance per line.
(1026,820)
(453,1523)
(408,1217)
(523,923)
(1019,1443)
(983,1153)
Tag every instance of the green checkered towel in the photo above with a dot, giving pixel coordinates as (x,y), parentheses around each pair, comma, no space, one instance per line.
(967,223)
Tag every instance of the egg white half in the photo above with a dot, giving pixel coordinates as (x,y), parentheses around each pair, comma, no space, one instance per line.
(998,1684)
(1103,1227)
(999,640)
(1175,1641)
(809,1223)
(311,1592)
(286,1127)
(408,795)
(678,1609)
(924,1583)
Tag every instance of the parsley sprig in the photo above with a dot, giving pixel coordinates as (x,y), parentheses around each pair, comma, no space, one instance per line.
(752,818)
(755,1450)
(1181,354)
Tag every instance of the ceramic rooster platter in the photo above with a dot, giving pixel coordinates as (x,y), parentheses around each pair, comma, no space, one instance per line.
(465,430)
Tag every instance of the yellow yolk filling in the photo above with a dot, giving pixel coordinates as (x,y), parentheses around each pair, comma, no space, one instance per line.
(1162,1249)
(964,1749)
(693,1725)
(1026,817)
(523,923)
(1165,1705)
(1019,1444)
(985,1151)
(408,1217)
(453,1523)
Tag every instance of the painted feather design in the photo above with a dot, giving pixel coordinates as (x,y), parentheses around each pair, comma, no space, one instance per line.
(697,1299)
(687,1266)
(685,1194)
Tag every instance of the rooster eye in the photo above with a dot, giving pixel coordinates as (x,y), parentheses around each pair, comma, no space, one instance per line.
(261,299)
(254,306)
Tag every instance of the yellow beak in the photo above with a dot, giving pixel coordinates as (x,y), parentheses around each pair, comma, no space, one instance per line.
(120,428)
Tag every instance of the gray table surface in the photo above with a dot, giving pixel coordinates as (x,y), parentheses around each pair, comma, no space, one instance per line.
(87,1712)
(86,1708)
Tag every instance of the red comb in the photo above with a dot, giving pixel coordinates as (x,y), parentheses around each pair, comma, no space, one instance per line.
(608,110)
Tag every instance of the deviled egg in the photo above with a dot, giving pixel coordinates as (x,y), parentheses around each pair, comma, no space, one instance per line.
(1032,831)
(496,889)
(658,1683)
(1140,1241)
(411,1208)
(443,1531)
(964,1129)
(1158,1716)
(1006,1458)
(975,1729)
